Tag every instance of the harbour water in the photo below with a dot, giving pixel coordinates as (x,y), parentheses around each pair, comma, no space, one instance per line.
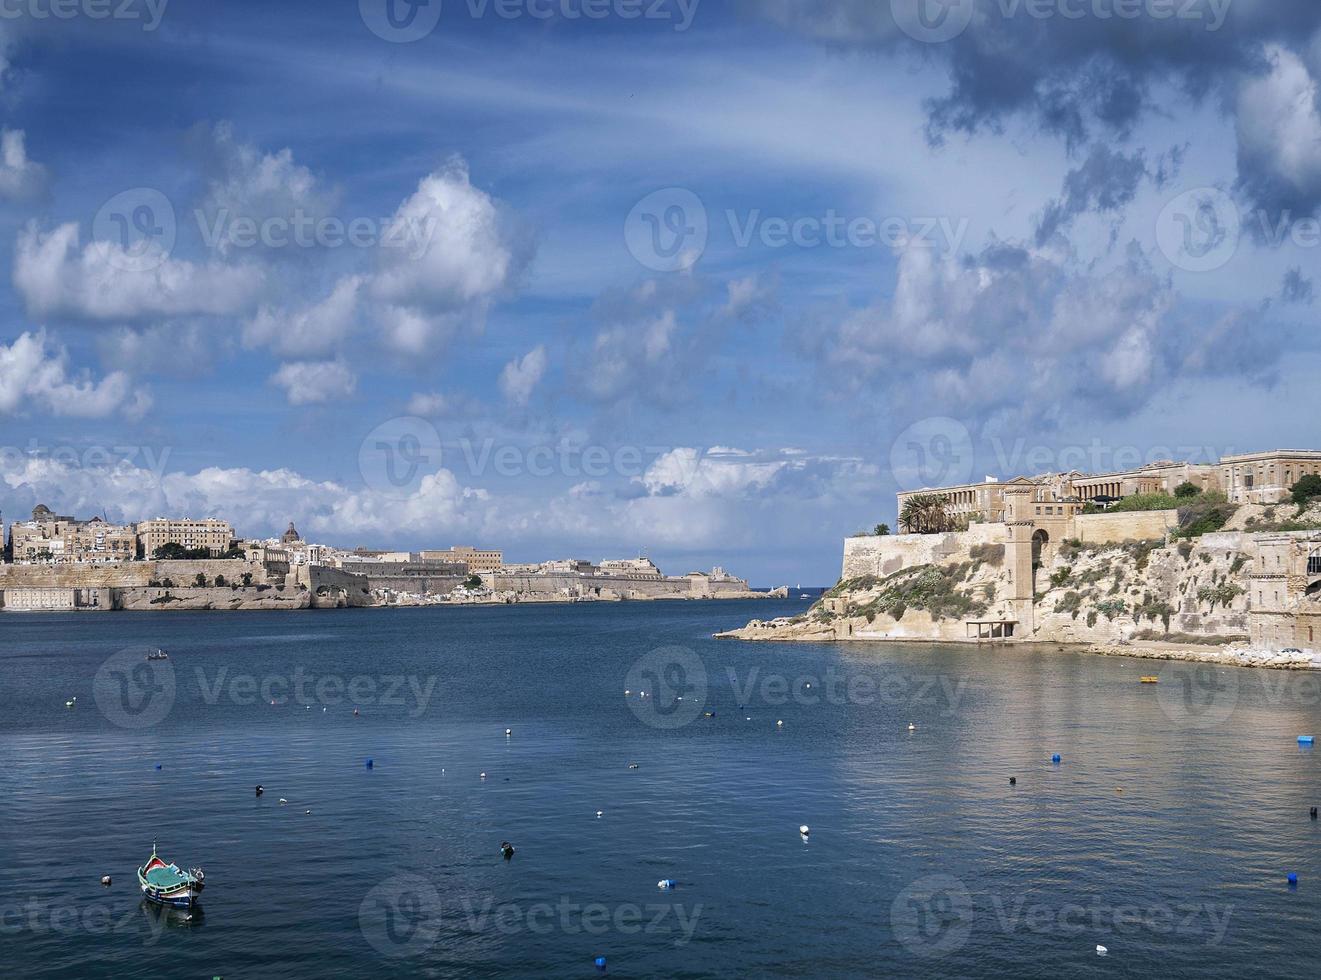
(1164,834)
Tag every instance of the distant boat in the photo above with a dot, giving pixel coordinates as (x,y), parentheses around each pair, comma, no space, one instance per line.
(804,596)
(165,884)
(1148,679)
(158,655)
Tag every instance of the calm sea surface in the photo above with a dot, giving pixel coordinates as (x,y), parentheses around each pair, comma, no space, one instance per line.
(922,860)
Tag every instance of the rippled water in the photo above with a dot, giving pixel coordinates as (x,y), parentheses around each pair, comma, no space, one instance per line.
(922,859)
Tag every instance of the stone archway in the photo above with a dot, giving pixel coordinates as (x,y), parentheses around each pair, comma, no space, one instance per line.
(1040,539)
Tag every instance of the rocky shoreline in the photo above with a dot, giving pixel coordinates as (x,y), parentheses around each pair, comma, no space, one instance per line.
(1230,655)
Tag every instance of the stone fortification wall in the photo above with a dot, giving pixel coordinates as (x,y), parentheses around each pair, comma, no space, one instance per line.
(127,574)
(332,588)
(872,555)
(1115,528)
(625,586)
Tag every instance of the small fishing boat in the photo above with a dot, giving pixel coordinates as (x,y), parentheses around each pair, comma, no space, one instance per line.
(1149,679)
(158,655)
(165,884)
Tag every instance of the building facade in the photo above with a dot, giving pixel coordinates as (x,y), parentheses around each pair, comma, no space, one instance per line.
(57,538)
(214,535)
(477,559)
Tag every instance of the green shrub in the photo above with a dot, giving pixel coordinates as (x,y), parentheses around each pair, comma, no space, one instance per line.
(1147,501)
(1060,576)
(1306,489)
(1187,489)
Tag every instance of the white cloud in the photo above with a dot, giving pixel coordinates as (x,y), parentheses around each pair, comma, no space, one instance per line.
(1279,130)
(104,281)
(521,375)
(247,184)
(20,178)
(312,331)
(31,376)
(312,382)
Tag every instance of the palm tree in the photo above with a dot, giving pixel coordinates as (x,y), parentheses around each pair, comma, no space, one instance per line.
(925,514)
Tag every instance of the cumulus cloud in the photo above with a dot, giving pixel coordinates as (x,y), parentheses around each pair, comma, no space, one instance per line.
(34,376)
(21,179)
(1027,333)
(246,186)
(1089,75)
(313,382)
(105,281)
(447,253)
(522,375)
(312,331)
(1279,134)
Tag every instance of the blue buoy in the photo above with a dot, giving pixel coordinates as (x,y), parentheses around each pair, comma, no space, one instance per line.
(1293,878)
(1055,758)
(370,764)
(158,765)
(1306,739)
(600,963)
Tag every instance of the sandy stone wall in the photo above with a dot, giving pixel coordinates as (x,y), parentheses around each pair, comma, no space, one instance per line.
(1146,525)
(871,555)
(173,600)
(126,574)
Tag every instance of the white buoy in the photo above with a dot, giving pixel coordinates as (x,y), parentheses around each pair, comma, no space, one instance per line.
(627,692)
(804,829)
(598,814)
(105,880)
(509,731)
(483,775)
(779,724)
(1101,950)
(912,727)
(283,801)
(665,883)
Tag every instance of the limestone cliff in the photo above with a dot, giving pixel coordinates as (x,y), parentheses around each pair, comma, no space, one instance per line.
(1249,587)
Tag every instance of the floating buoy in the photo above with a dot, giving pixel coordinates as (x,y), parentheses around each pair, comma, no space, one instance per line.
(804,829)
(665,883)
(599,963)
(1013,780)
(1055,758)
(370,764)
(708,714)
(105,880)
(308,812)
(69,703)
(1119,789)
(809,687)
(158,766)
(749,718)
(779,724)
(259,789)
(1101,950)
(1293,878)
(632,765)
(598,814)
(1305,739)
(507,849)
(283,801)
(627,692)
(912,727)
(1313,814)
(482,776)
(508,732)
(355,712)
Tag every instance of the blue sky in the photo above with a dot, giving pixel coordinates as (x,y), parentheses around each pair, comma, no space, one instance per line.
(708,284)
